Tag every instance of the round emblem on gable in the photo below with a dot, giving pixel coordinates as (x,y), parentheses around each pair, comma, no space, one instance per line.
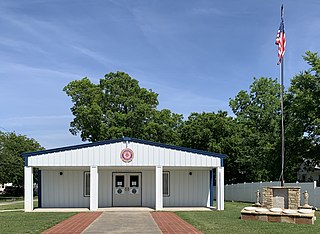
(126,155)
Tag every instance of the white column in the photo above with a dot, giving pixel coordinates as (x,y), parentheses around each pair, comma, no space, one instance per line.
(94,179)
(28,189)
(220,188)
(159,193)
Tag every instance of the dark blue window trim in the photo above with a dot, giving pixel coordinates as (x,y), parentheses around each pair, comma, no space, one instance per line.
(212,154)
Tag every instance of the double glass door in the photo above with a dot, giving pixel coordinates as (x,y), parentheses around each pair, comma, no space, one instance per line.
(126,189)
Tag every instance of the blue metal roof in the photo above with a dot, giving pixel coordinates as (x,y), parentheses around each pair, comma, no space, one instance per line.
(87,145)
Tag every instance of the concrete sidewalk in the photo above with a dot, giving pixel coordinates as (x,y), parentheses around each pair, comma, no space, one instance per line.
(124,222)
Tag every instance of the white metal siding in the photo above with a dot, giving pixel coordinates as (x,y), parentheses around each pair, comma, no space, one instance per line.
(109,155)
(67,190)
(148,188)
(188,190)
(63,190)
(105,188)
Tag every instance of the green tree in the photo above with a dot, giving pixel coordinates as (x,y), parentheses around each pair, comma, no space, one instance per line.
(215,132)
(303,109)
(258,115)
(11,162)
(163,127)
(117,107)
(206,131)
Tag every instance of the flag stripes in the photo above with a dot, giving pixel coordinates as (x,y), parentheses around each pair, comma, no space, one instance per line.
(281,39)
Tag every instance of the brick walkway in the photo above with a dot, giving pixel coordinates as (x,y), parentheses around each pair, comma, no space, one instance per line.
(169,222)
(75,224)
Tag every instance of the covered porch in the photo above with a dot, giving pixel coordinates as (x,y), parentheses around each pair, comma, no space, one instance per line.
(159,176)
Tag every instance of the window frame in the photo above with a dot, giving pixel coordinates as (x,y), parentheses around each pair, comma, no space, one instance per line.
(85,182)
(168,182)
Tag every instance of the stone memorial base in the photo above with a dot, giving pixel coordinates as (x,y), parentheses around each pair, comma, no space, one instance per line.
(280,204)
(293,216)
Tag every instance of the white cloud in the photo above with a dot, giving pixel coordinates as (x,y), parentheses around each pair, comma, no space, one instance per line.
(209,11)
(49,130)
(30,122)
(95,55)
(34,71)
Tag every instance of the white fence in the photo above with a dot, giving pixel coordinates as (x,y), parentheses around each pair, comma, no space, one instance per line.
(246,192)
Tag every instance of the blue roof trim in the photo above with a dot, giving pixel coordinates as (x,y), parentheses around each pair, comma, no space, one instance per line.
(26,162)
(87,145)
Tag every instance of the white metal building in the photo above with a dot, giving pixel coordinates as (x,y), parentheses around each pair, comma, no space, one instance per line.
(124,172)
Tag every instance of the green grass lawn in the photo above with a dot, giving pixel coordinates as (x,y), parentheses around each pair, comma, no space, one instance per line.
(15,205)
(21,222)
(228,221)
(5,199)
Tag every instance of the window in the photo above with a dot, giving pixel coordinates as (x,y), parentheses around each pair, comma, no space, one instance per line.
(86,189)
(134,181)
(166,184)
(119,180)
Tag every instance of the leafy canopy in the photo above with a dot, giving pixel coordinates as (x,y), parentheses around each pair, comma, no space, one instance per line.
(258,115)
(11,162)
(303,111)
(118,107)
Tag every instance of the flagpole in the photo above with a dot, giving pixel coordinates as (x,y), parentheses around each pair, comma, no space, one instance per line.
(281,42)
(282,124)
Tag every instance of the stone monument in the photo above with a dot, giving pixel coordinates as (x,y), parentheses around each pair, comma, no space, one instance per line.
(280,204)
(257,198)
(306,199)
(281,197)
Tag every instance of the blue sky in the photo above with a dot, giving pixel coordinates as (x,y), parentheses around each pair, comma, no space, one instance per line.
(195,54)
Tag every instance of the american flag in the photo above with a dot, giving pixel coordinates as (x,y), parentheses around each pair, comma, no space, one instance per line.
(281,39)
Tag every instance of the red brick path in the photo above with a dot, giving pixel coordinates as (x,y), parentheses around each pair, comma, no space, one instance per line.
(169,222)
(75,224)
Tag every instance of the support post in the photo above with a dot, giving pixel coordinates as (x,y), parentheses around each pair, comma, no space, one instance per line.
(28,189)
(159,193)
(94,179)
(220,188)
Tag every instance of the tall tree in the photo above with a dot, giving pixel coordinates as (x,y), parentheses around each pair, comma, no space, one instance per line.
(215,132)
(258,114)
(206,131)
(163,127)
(304,111)
(117,107)
(11,162)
